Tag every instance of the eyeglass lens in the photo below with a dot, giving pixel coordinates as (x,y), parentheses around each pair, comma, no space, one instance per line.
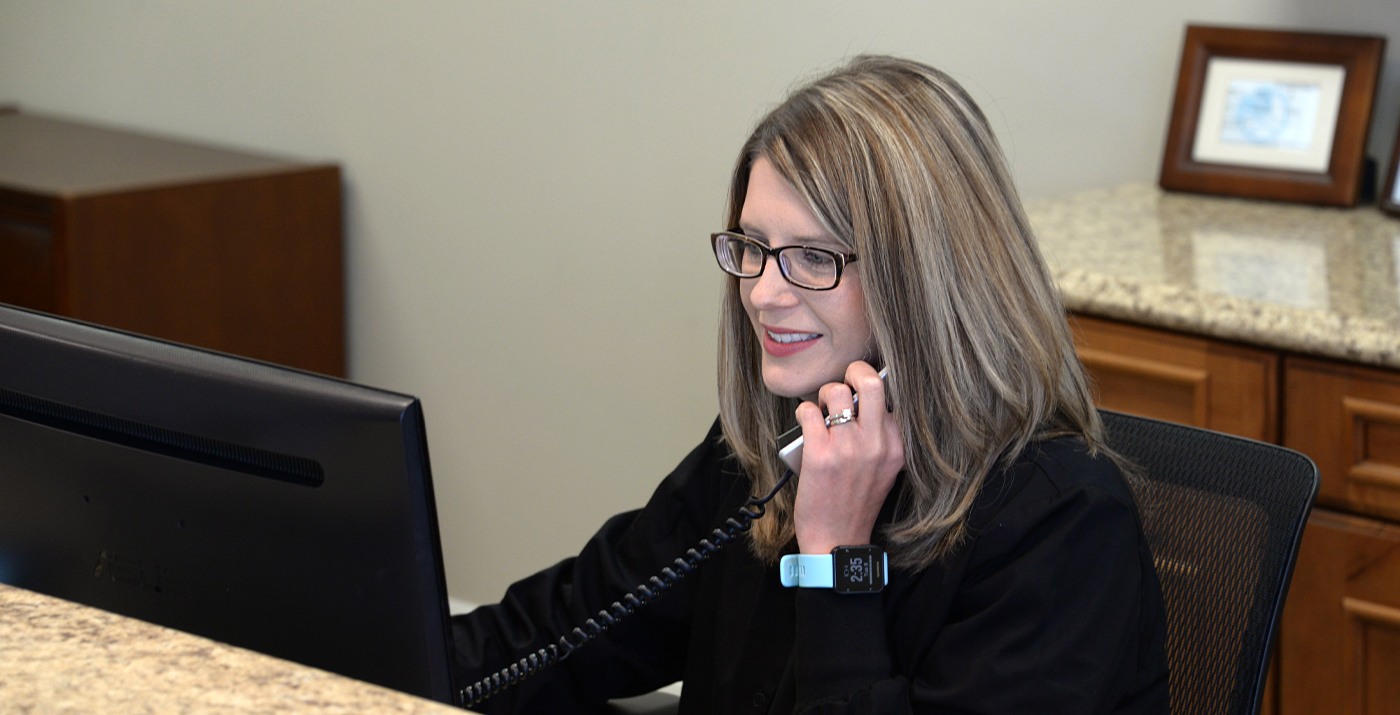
(803,266)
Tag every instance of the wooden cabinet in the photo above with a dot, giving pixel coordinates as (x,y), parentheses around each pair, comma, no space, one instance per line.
(1347,418)
(1181,378)
(223,249)
(1185,379)
(1338,646)
(1340,640)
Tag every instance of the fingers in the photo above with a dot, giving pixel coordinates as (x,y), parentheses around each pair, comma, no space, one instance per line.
(867,383)
(837,404)
(862,386)
(810,416)
(838,401)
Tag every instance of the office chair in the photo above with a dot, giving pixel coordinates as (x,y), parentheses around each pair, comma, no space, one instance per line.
(1223,516)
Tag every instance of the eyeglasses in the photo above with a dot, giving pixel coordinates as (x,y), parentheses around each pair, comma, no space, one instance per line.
(803,266)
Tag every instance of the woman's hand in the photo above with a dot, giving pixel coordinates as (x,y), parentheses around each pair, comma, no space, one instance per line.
(847,469)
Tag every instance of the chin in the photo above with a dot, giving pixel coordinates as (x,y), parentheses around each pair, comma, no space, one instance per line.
(782,391)
(784,383)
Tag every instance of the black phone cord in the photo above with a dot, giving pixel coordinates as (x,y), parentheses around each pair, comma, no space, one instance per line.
(630,602)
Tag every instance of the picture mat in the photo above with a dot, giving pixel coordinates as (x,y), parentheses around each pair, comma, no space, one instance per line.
(1269,114)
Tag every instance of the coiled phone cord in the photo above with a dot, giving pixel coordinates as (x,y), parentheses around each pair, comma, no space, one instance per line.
(630,602)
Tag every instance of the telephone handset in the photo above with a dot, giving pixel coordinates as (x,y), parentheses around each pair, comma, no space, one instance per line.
(790,450)
(790,442)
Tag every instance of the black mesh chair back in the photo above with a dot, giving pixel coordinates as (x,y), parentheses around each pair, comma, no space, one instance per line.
(1223,516)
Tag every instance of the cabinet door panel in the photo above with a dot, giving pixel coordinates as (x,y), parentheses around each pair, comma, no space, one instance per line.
(1347,418)
(1196,381)
(1340,638)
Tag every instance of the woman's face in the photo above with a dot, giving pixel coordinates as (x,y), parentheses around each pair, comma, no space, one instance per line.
(808,337)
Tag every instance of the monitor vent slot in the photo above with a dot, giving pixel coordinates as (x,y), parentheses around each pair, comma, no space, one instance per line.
(160,440)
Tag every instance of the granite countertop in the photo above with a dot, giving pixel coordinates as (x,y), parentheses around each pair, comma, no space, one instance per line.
(61,657)
(1305,279)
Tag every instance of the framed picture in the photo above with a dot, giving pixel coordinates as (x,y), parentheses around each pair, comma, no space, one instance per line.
(1390,195)
(1272,114)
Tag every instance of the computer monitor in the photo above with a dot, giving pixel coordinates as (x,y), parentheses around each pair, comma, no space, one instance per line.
(273,509)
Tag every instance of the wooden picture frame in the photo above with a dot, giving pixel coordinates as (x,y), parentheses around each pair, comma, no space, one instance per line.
(1389,199)
(1272,114)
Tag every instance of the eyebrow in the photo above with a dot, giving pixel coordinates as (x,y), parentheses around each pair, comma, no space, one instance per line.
(822,241)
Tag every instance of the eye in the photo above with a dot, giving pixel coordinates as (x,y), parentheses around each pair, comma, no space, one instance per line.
(815,257)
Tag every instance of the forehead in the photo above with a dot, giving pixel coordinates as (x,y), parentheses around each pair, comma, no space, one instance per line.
(774,209)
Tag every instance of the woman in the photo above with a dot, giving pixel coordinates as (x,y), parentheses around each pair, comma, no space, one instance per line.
(872,224)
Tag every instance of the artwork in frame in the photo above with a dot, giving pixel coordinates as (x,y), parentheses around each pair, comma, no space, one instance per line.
(1272,114)
(1390,194)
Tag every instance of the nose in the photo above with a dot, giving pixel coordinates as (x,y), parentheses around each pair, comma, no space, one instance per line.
(770,289)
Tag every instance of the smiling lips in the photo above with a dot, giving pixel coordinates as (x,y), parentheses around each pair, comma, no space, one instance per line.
(781,343)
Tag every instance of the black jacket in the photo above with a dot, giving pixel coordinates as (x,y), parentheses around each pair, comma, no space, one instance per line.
(1050,606)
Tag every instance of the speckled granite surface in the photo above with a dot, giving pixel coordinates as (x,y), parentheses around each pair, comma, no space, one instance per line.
(1319,281)
(60,657)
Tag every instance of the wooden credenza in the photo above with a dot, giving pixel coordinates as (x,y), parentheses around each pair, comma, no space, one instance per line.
(1320,373)
(1339,644)
(223,249)
(1181,378)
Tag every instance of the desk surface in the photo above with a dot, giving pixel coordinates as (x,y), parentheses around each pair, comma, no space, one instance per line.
(61,657)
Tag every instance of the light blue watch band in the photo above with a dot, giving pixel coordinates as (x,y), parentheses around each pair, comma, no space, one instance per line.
(807,570)
(847,569)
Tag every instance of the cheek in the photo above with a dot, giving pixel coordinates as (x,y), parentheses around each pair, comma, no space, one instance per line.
(848,312)
(745,297)
(858,337)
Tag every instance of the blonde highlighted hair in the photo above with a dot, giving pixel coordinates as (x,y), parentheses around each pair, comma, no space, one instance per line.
(900,165)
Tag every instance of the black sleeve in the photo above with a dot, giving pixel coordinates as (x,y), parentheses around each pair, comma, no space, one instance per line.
(1056,616)
(643,652)
(1047,617)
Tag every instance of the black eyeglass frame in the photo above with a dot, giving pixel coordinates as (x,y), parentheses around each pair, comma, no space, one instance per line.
(842,259)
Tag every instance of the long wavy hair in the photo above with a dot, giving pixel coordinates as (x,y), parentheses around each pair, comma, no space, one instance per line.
(901,167)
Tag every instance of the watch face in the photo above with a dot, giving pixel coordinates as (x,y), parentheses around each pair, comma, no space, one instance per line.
(859,569)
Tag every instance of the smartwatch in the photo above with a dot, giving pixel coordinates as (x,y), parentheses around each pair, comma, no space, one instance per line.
(847,569)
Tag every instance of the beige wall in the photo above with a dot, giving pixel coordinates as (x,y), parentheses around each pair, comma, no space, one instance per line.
(530,185)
